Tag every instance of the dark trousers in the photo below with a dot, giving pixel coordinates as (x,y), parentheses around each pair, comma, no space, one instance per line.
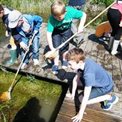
(61,37)
(114,17)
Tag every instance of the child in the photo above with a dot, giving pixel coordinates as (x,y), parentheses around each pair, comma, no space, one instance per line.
(27,26)
(4,12)
(97,82)
(79,5)
(114,15)
(59,29)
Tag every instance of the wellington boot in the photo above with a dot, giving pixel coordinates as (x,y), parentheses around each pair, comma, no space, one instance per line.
(115,46)
(12,59)
(110,43)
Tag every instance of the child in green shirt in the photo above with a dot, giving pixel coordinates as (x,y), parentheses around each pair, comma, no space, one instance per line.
(59,29)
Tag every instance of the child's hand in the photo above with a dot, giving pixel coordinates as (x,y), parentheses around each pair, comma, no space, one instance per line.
(80,29)
(70,96)
(24,46)
(35,32)
(77,118)
(7,34)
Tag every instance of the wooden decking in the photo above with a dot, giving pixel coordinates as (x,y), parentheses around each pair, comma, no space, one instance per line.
(96,51)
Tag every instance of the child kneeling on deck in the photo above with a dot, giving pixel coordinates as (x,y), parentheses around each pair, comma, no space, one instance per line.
(96,81)
(59,29)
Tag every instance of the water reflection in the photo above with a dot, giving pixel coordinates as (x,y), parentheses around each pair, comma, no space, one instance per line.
(30,112)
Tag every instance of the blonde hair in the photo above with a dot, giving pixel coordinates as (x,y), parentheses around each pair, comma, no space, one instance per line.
(75,54)
(57,8)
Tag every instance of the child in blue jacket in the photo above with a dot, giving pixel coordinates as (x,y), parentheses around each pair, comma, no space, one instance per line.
(27,26)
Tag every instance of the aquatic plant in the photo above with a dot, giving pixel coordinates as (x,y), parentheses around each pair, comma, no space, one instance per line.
(2,114)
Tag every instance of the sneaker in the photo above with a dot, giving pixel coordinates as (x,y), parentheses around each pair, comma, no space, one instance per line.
(55,69)
(109,103)
(114,52)
(64,64)
(79,42)
(103,39)
(24,66)
(36,62)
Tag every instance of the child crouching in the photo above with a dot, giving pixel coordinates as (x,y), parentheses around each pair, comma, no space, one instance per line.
(97,82)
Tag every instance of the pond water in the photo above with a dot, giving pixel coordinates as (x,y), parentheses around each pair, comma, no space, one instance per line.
(32,100)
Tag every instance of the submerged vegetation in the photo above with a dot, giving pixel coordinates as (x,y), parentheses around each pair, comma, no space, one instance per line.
(26,89)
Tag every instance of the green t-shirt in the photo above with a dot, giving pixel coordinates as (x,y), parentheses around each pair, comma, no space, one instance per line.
(70,14)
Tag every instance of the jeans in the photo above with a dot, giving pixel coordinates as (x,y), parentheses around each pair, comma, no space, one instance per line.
(59,38)
(34,48)
(96,92)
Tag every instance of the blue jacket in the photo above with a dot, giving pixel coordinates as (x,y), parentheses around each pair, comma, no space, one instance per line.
(34,21)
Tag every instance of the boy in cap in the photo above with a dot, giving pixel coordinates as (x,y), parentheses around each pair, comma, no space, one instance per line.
(27,26)
(59,29)
(97,83)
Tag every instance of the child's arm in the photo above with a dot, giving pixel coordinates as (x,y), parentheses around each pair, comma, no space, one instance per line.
(38,20)
(49,39)
(79,116)
(82,22)
(74,86)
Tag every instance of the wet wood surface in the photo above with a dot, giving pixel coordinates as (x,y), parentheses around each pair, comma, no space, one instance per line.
(94,50)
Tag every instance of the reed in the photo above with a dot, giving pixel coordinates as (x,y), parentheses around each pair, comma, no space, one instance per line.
(39,7)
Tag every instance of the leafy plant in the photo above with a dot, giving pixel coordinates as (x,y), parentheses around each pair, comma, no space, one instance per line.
(3,116)
(105,2)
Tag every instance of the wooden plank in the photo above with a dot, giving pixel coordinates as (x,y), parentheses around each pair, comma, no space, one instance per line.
(67,112)
(63,118)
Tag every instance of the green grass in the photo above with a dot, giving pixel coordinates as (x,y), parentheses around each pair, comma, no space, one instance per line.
(39,7)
